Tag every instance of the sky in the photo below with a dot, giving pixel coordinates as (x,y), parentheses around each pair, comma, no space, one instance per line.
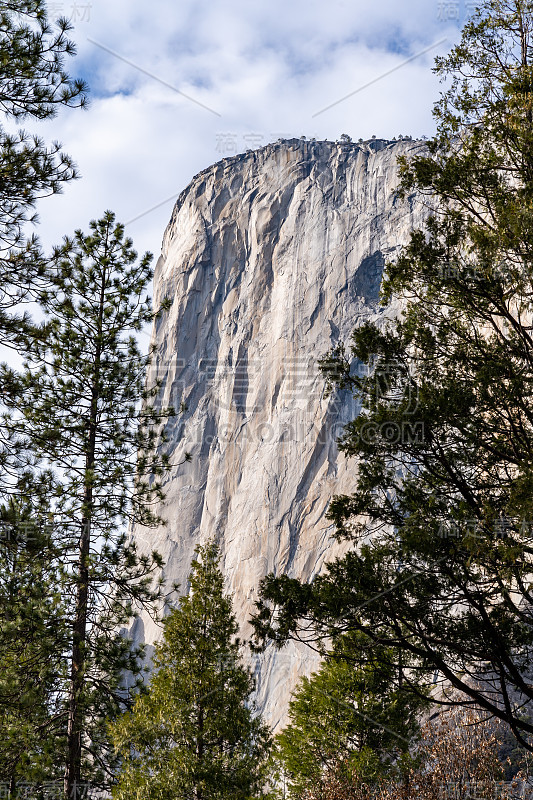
(175,87)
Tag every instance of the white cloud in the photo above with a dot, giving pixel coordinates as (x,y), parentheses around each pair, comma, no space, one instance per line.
(266,68)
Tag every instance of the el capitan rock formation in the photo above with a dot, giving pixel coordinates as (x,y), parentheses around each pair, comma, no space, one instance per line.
(269,259)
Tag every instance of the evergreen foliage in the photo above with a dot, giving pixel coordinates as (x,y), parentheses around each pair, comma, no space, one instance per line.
(350,716)
(442,514)
(81,402)
(194,733)
(33,639)
(33,85)
(458,756)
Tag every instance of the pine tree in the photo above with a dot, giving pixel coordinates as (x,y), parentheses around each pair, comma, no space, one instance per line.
(33,638)
(82,404)
(352,715)
(458,756)
(441,515)
(194,733)
(33,85)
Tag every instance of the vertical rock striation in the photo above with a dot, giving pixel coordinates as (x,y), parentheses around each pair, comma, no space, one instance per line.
(269,259)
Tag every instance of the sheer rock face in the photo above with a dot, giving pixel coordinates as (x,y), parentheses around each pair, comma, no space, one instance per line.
(270,259)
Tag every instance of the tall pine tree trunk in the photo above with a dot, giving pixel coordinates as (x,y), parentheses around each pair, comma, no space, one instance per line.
(200,721)
(75,716)
(78,661)
(200,746)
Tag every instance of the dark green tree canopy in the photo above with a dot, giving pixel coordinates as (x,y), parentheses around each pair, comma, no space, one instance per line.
(442,515)
(33,638)
(353,713)
(82,405)
(83,390)
(33,85)
(194,733)
(33,80)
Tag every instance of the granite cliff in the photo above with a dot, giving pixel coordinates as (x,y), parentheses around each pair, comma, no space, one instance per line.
(269,259)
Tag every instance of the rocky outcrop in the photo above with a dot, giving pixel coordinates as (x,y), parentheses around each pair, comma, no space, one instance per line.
(269,259)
